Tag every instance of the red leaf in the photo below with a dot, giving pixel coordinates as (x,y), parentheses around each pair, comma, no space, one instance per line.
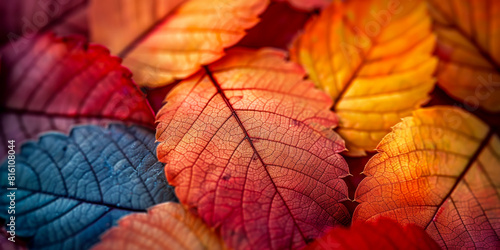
(59,82)
(250,145)
(381,234)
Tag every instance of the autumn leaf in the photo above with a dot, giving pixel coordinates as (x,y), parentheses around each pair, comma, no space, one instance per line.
(58,82)
(439,169)
(381,234)
(249,145)
(468,35)
(165,226)
(165,40)
(21,20)
(374,59)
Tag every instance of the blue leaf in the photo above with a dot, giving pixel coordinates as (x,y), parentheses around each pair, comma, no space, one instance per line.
(70,189)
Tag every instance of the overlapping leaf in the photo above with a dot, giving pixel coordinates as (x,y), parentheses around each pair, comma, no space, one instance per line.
(165,226)
(165,40)
(20,20)
(71,189)
(381,234)
(439,169)
(468,35)
(374,59)
(58,82)
(248,144)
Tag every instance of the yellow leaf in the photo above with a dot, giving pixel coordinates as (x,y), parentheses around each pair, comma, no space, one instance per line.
(165,226)
(469,50)
(374,59)
(161,41)
(439,169)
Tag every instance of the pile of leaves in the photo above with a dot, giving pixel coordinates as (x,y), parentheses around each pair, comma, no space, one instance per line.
(249,124)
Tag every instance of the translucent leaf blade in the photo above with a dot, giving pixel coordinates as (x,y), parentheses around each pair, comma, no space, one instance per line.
(439,169)
(248,144)
(177,39)
(165,226)
(375,60)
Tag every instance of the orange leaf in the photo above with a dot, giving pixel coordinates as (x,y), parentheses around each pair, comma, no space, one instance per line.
(439,169)
(249,144)
(382,234)
(469,37)
(165,40)
(374,59)
(165,226)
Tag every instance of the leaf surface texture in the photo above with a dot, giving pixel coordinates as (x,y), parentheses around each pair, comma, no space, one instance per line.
(70,189)
(375,60)
(165,226)
(58,82)
(248,144)
(161,41)
(439,169)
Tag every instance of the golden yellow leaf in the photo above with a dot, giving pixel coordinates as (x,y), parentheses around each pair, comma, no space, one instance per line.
(439,169)
(161,41)
(469,49)
(165,226)
(374,59)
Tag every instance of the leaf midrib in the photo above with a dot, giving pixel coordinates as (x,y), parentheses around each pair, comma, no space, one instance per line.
(473,159)
(220,91)
(79,199)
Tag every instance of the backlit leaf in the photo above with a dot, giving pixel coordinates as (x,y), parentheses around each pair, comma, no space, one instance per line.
(165,40)
(58,82)
(439,169)
(165,226)
(374,59)
(249,145)
(382,234)
(469,37)
(70,189)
